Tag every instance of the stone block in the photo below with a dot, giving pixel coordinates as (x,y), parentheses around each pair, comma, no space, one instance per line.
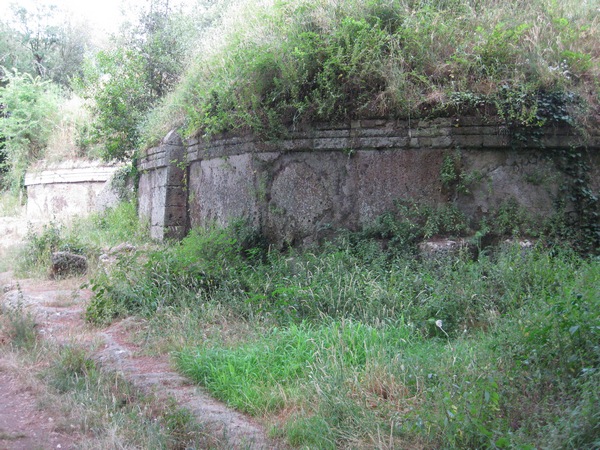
(468,141)
(65,264)
(385,176)
(441,142)
(496,141)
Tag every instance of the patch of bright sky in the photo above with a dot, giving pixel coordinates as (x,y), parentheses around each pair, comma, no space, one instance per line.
(102,16)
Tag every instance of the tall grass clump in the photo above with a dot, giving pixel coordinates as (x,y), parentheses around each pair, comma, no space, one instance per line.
(203,263)
(34,258)
(259,376)
(274,64)
(17,326)
(112,226)
(11,204)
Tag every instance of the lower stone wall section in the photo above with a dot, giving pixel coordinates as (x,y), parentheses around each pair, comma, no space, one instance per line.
(299,189)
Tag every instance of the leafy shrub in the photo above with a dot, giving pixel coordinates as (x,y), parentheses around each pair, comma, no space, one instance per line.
(30,109)
(72,370)
(203,262)
(402,228)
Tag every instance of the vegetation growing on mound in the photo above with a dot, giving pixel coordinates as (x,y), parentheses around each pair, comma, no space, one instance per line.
(286,63)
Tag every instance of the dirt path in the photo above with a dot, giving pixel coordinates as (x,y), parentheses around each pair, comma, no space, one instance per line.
(23,426)
(58,308)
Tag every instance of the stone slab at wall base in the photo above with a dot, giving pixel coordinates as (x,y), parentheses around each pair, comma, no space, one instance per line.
(302,187)
(72,188)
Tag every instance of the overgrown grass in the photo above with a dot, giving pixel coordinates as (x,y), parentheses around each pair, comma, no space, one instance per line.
(97,406)
(88,236)
(11,204)
(258,377)
(17,326)
(268,65)
(357,346)
(114,412)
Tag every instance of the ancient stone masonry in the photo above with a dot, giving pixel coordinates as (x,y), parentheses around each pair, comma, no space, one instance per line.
(315,180)
(162,189)
(72,188)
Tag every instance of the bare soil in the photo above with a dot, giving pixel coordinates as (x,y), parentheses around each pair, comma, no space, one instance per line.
(58,307)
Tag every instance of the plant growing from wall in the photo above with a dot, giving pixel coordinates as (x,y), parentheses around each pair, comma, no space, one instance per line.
(454,180)
(582,218)
(300,62)
(528,116)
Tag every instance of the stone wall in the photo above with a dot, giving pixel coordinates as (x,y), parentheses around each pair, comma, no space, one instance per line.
(72,188)
(162,189)
(316,180)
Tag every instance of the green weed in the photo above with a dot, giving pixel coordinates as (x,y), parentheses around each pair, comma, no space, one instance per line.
(35,255)
(366,346)
(85,236)
(259,376)
(18,326)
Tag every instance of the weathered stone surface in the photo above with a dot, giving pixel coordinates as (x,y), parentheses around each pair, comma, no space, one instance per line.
(66,190)
(65,264)
(332,176)
(124,247)
(222,189)
(162,188)
(446,248)
(382,177)
(527,177)
(299,200)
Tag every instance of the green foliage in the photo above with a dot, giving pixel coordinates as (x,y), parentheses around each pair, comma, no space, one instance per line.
(85,236)
(257,377)
(120,98)
(581,221)
(18,325)
(125,81)
(43,41)
(111,227)
(35,256)
(364,342)
(409,223)
(464,388)
(298,62)
(72,370)
(10,204)
(30,112)
(201,263)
